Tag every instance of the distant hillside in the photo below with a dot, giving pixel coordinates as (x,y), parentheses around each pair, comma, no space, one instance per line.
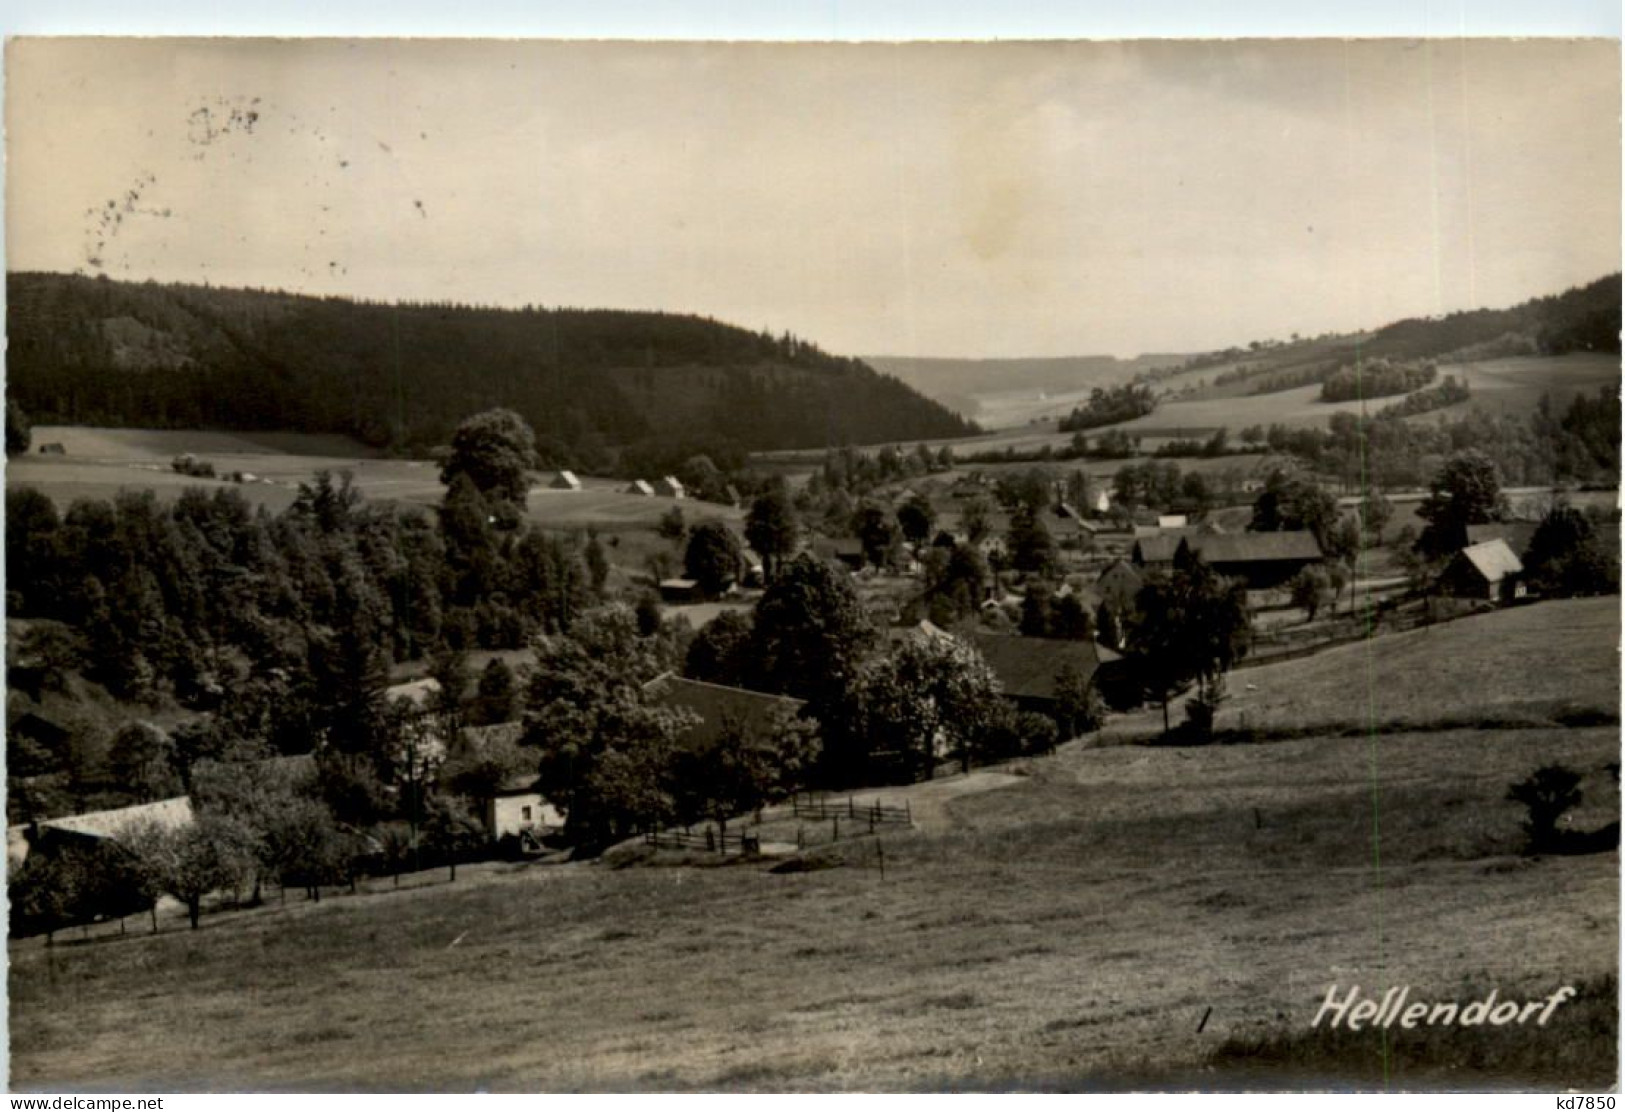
(1584,319)
(966,385)
(594,383)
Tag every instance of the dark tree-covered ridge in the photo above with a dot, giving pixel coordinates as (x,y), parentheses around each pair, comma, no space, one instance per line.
(404,375)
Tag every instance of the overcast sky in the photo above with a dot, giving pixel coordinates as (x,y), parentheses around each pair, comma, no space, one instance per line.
(972,200)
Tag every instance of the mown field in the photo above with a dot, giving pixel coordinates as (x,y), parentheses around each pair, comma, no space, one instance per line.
(98,463)
(1067,928)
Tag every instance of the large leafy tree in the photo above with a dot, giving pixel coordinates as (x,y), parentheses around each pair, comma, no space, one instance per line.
(1190,626)
(606,756)
(1566,556)
(494,449)
(1465,491)
(932,698)
(1290,501)
(771,528)
(712,557)
(811,632)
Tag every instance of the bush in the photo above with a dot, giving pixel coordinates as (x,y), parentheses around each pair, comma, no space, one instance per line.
(1548,793)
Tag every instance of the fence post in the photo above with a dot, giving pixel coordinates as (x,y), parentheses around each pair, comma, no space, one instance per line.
(851,808)
(880,850)
(837,821)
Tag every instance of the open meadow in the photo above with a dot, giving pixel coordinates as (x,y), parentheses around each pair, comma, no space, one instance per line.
(1067,926)
(98,463)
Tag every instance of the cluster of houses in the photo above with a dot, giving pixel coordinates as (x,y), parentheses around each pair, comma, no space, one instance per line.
(667,487)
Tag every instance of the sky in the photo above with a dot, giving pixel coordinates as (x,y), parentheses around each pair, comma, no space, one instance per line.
(967,200)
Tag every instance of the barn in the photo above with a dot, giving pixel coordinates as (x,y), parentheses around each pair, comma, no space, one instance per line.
(1490,570)
(718,706)
(681,591)
(1261,560)
(1027,668)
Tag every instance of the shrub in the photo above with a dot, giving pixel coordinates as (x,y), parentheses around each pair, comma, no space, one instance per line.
(1548,793)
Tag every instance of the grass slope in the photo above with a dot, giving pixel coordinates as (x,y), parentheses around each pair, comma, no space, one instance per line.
(1067,930)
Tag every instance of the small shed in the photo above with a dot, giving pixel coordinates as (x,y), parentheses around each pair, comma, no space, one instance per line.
(1490,570)
(641,488)
(564,480)
(517,809)
(681,590)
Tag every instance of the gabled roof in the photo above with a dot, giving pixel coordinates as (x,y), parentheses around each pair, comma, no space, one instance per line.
(1247,548)
(640,486)
(1517,534)
(565,480)
(716,705)
(170,814)
(1027,666)
(1157,549)
(1493,560)
(418,692)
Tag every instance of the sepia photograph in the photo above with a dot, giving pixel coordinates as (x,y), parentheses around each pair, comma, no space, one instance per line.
(561,566)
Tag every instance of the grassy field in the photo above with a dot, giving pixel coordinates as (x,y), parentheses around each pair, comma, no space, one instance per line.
(1067,927)
(98,463)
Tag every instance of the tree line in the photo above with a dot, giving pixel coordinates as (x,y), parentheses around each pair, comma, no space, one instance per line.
(592,383)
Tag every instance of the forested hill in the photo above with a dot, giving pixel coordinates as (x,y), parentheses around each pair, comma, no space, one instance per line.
(103,352)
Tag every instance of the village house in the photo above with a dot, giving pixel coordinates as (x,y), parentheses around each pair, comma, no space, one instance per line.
(681,591)
(1027,668)
(641,488)
(564,480)
(669,487)
(1118,584)
(1490,570)
(719,707)
(847,551)
(1261,560)
(518,810)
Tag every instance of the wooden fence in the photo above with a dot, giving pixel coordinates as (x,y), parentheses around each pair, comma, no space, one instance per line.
(817,807)
(707,840)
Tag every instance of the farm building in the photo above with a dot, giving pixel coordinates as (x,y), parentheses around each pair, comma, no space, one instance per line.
(1155,550)
(1261,560)
(1517,534)
(717,707)
(669,487)
(94,826)
(564,480)
(1172,521)
(1027,667)
(518,810)
(640,487)
(841,550)
(681,590)
(1490,570)
(1118,584)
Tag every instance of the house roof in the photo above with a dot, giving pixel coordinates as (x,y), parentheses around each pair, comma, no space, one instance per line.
(639,486)
(1517,534)
(1158,548)
(563,479)
(1247,548)
(1027,666)
(1120,571)
(1493,560)
(716,705)
(170,814)
(679,584)
(417,692)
